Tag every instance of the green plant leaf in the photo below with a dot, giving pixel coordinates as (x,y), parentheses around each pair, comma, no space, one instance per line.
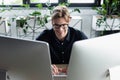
(26,6)
(77,10)
(25,31)
(40,6)
(36,13)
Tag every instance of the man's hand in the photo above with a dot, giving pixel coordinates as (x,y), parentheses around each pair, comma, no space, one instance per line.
(57,71)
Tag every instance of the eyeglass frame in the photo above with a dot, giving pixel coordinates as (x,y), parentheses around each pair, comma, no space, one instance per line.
(58,26)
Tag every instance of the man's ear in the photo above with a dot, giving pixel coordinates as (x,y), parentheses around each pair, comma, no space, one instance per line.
(52,22)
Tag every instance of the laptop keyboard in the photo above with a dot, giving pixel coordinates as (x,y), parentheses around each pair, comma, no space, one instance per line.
(59,77)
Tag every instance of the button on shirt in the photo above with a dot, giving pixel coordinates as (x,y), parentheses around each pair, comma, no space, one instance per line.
(60,51)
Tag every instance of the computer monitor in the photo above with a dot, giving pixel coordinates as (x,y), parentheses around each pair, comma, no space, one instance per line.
(92,58)
(24,59)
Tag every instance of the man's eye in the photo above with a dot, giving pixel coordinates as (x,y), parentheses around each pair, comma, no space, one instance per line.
(63,24)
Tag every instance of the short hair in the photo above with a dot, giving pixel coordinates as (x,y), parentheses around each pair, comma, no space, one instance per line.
(61,12)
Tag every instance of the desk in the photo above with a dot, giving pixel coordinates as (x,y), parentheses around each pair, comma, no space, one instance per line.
(2,74)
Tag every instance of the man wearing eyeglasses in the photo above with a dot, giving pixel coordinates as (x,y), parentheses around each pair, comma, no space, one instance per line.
(61,38)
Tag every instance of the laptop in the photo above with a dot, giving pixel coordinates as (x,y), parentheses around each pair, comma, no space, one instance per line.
(24,59)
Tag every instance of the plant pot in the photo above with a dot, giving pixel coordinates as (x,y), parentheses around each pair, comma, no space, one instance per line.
(103,33)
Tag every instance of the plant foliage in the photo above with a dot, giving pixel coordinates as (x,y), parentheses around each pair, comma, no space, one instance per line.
(109,9)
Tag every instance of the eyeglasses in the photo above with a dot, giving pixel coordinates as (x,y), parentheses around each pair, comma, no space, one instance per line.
(58,26)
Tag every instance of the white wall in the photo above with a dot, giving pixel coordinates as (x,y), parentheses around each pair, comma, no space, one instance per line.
(86,14)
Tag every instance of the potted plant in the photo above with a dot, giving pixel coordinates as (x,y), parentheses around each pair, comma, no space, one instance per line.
(37,17)
(108,12)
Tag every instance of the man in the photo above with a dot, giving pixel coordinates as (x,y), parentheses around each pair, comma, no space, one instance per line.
(61,38)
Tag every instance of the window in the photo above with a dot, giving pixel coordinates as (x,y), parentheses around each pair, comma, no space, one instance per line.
(43,1)
(81,1)
(73,3)
(84,3)
(11,2)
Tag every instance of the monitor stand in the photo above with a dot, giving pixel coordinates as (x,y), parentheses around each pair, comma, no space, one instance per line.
(2,74)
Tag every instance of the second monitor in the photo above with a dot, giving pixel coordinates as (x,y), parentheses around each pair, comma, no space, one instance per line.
(92,58)
(24,59)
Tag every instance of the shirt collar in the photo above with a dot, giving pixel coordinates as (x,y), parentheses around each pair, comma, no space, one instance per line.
(67,38)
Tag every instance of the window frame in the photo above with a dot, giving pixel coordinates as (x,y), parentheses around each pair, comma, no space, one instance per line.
(24,2)
(96,3)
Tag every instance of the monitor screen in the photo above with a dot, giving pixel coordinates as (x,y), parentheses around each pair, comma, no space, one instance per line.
(91,59)
(24,59)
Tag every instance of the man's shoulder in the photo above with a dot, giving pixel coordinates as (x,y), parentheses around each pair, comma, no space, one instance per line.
(44,34)
(47,31)
(77,33)
(74,30)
